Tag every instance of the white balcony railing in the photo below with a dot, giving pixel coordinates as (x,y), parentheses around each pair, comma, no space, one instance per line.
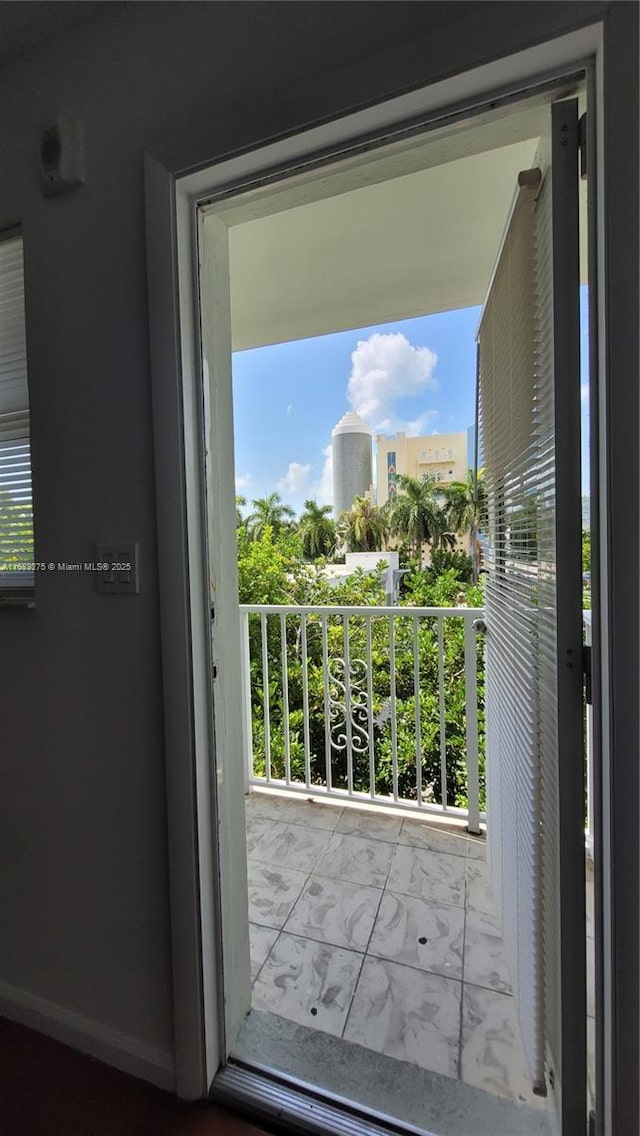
(370,703)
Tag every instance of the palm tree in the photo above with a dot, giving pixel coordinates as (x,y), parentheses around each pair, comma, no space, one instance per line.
(417,515)
(240,504)
(269,511)
(363,527)
(317,530)
(467,510)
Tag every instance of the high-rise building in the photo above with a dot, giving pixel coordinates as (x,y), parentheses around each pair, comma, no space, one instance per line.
(352,461)
(444,456)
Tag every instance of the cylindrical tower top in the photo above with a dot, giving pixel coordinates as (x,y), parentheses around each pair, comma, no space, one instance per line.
(350,423)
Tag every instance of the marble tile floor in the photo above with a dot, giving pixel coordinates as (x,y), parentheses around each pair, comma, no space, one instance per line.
(380,930)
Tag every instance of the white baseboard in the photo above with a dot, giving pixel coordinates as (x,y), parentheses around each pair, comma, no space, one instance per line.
(127,1054)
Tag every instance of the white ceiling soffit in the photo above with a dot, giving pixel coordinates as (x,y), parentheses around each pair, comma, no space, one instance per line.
(412,245)
(403,230)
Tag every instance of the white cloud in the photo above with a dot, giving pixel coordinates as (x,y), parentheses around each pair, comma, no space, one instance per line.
(386,368)
(242,480)
(412,427)
(289,408)
(323,491)
(295,478)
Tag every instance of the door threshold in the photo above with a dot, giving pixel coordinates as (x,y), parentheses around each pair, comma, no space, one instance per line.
(387,1094)
(287,1106)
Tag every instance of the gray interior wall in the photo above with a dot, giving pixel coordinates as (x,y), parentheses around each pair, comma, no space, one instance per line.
(83,826)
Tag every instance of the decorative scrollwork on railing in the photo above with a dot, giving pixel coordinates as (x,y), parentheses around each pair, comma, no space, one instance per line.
(348,705)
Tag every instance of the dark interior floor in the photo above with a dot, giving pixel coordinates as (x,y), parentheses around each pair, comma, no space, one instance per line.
(47,1089)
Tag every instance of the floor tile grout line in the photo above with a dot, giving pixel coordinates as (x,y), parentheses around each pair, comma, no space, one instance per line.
(434,901)
(306,881)
(264,961)
(322,942)
(297,823)
(363,950)
(374,957)
(281,929)
(366,953)
(308,877)
(489,989)
(425,898)
(462,980)
(383,839)
(391,859)
(415,969)
(351,1000)
(311,873)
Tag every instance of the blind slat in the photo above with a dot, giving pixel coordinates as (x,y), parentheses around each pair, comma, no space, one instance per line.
(16,506)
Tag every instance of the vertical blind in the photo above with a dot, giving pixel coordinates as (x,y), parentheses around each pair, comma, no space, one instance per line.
(509,341)
(16,505)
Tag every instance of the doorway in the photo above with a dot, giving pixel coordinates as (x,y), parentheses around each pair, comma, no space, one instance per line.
(201,1043)
(279,300)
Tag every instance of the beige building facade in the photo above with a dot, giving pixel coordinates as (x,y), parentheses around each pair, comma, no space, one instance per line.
(443,456)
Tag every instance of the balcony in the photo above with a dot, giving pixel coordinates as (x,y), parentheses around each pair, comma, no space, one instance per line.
(371,916)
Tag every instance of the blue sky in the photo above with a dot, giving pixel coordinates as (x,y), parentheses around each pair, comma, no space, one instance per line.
(416,375)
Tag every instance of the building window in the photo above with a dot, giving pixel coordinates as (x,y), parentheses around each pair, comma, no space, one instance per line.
(16,502)
(391,473)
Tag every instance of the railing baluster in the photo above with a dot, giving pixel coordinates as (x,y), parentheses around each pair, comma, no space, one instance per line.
(392,691)
(247,718)
(347,700)
(305,699)
(372,755)
(471,703)
(265,701)
(285,698)
(416,695)
(327,712)
(443,716)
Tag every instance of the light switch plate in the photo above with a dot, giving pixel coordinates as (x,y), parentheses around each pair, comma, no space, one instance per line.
(117,569)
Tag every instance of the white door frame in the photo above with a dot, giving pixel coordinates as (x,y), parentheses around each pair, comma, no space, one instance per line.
(177,180)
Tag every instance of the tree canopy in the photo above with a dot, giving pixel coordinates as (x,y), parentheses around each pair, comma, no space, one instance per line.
(269,511)
(363,527)
(317,530)
(466,507)
(416,514)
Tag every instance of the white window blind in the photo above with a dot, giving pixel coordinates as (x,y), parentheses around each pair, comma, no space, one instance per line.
(507,366)
(529,399)
(16,504)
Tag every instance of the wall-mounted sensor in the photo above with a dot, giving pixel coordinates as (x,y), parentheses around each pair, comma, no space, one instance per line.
(61,157)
